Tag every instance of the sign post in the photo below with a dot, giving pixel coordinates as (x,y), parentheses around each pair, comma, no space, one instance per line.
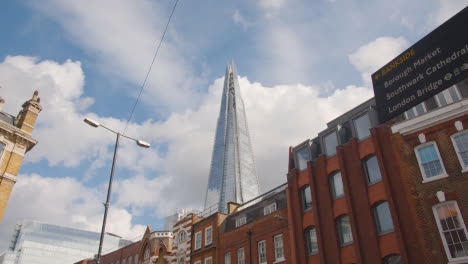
(433,64)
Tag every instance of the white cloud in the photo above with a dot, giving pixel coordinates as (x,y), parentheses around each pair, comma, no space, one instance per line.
(123,36)
(271,4)
(446,9)
(372,56)
(65,202)
(240,20)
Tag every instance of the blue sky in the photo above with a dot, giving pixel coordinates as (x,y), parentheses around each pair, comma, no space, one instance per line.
(301,63)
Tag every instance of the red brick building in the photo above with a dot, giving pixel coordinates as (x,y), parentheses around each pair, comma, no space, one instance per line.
(257,231)
(154,247)
(431,152)
(358,192)
(205,240)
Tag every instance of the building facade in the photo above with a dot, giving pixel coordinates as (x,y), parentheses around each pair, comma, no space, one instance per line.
(233,175)
(431,152)
(15,140)
(366,192)
(36,242)
(257,232)
(154,248)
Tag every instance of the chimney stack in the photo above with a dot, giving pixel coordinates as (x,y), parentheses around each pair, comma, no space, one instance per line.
(28,115)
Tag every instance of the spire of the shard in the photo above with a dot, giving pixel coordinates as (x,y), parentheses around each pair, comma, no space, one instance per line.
(233,176)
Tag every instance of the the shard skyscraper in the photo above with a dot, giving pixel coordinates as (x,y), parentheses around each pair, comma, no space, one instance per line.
(233,175)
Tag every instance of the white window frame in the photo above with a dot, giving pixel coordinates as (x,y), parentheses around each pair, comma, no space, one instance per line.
(227,258)
(269,208)
(240,257)
(421,167)
(209,260)
(197,262)
(208,235)
(439,226)
(198,240)
(457,150)
(241,221)
(279,247)
(262,253)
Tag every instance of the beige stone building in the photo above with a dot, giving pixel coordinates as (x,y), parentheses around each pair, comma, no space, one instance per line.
(15,141)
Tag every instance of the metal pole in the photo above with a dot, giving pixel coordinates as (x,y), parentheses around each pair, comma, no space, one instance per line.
(106,205)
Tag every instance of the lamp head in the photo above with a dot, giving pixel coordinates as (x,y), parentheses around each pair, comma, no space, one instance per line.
(144,144)
(91,122)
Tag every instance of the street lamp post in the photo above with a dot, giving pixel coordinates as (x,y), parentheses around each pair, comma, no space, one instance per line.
(140,143)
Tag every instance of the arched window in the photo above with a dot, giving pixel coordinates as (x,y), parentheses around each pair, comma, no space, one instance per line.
(383,218)
(371,169)
(336,184)
(181,236)
(343,225)
(2,147)
(306,198)
(146,255)
(392,259)
(181,260)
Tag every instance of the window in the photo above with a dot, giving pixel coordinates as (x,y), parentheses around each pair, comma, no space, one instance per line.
(452,230)
(302,156)
(208,235)
(312,243)
(136,259)
(372,171)
(331,142)
(269,208)
(2,147)
(227,258)
(362,125)
(198,240)
(130,259)
(336,185)
(306,198)
(240,256)
(208,260)
(181,236)
(197,262)
(279,251)
(392,259)
(383,218)
(181,260)
(241,221)
(448,96)
(124,261)
(429,161)
(146,256)
(344,230)
(460,141)
(262,252)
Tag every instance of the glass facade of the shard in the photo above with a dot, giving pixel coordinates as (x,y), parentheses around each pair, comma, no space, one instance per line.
(233,176)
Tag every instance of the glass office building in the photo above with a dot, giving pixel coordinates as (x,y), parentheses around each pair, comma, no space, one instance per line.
(37,243)
(233,175)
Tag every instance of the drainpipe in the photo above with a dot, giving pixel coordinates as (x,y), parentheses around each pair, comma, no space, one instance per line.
(250,245)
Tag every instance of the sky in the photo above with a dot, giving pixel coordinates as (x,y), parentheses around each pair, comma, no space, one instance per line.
(300,63)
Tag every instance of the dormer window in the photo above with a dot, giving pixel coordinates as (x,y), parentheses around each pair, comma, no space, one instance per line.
(269,209)
(241,221)
(331,142)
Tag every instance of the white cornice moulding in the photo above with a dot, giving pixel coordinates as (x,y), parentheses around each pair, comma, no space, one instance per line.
(431,118)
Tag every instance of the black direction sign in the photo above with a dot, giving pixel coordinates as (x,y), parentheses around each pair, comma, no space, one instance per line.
(433,64)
